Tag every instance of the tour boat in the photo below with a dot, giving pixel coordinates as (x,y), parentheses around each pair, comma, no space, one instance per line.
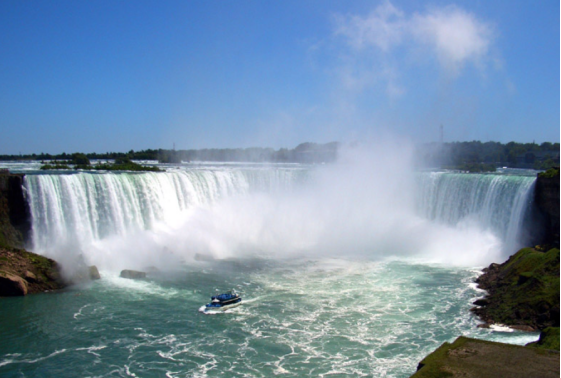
(223,302)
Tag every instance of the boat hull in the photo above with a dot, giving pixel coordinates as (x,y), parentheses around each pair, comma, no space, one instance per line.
(222,308)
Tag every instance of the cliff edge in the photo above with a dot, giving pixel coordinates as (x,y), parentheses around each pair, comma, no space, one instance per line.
(546,198)
(21,272)
(14,211)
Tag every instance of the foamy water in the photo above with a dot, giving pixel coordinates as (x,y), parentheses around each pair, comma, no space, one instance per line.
(344,270)
(305,318)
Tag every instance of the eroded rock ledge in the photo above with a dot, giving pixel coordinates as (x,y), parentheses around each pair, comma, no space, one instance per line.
(23,272)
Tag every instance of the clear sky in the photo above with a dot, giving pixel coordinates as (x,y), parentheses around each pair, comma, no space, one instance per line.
(119,75)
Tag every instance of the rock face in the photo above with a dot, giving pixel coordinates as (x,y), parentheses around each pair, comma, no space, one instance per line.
(549,339)
(133,274)
(14,211)
(12,285)
(546,197)
(523,291)
(23,272)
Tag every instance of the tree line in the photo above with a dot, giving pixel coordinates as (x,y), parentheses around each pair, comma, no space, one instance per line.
(486,156)
(471,156)
(303,153)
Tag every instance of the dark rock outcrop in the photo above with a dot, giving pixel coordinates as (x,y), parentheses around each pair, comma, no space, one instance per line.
(133,274)
(94,273)
(14,211)
(523,292)
(549,339)
(12,285)
(23,272)
(546,197)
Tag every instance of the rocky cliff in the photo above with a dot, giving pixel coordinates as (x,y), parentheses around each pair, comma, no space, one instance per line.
(21,272)
(523,292)
(14,211)
(547,201)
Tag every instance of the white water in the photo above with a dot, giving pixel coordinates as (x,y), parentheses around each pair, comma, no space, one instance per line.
(354,208)
(322,298)
(496,202)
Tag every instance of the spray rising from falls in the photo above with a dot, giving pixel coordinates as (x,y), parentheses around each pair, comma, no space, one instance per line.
(354,208)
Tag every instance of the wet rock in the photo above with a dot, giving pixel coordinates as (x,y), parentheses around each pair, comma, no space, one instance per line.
(133,274)
(94,273)
(12,285)
(481,302)
(523,328)
(30,277)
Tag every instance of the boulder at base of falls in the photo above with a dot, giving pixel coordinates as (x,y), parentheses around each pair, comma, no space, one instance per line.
(133,274)
(94,273)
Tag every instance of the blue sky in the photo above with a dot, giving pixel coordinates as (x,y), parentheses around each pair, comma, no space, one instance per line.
(120,75)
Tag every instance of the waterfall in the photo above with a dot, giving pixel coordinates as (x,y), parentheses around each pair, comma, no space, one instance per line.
(83,207)
(225,211)
(496,202)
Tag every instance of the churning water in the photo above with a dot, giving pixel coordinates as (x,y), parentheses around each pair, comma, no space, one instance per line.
(342,273)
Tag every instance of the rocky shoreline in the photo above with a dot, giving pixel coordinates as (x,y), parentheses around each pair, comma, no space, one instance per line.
(523,292)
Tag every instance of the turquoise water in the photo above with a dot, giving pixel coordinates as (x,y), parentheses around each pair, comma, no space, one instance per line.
(343,273)
(317,318)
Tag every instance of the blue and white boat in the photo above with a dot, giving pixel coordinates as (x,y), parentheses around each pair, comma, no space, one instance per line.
(223,302)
